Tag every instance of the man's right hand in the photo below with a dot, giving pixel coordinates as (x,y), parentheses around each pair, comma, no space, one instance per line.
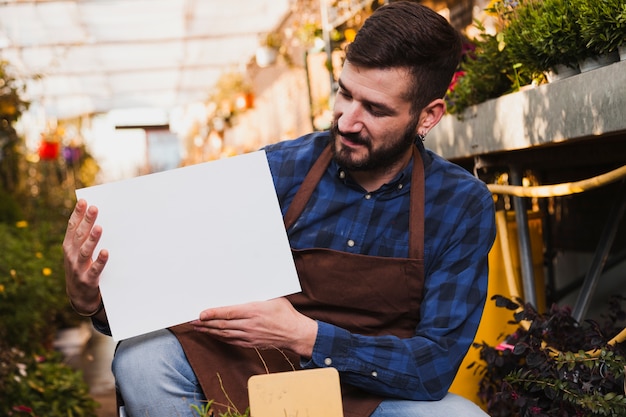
(82,273)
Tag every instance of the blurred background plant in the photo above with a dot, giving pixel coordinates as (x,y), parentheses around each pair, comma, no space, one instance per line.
(36,198)
(42,385)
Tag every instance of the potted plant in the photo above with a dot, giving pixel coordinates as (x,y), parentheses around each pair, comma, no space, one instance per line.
(544,35)
(486,71)
(554,366)
(232,94)
(268,50)
(603,25)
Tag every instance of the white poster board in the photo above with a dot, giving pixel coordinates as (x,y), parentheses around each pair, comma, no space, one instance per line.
(188,239)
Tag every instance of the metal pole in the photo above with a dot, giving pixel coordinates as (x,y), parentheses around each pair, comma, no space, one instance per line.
(600,256)
(523,236)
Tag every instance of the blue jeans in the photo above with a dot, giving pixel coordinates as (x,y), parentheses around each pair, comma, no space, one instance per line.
(155,380)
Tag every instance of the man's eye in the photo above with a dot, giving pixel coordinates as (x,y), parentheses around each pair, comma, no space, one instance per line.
(344,94)
(375,112)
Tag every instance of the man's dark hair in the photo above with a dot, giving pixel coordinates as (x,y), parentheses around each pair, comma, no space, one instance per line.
(410,35)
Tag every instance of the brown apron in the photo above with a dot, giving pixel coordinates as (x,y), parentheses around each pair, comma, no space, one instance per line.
(367,295)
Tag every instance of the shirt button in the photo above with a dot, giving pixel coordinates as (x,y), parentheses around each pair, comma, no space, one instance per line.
(368,196)
(374,374)
(400,186)
(342,175)
(351,243)
(328,361)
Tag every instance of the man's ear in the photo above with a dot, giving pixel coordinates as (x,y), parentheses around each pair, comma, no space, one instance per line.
(431,115)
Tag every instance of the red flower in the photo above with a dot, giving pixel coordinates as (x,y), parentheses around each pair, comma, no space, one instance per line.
(48,150)
(455,79)
(22,409)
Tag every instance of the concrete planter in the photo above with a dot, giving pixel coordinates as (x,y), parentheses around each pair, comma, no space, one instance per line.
(589,104)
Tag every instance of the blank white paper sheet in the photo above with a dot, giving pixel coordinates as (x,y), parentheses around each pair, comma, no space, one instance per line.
(188,239)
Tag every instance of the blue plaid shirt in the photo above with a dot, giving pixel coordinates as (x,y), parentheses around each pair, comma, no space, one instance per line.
(459,232)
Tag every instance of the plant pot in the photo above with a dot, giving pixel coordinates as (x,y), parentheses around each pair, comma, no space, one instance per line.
(621,50)
(561,71)
(598,61)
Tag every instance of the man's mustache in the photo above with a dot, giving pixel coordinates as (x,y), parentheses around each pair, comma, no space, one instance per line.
(352,137)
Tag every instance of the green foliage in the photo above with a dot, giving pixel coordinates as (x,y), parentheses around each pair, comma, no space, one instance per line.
(10,211)
(41,385)
(206,410)
(602,24)
(35,200)
(33,303)
(11,108)
(11,103)
(543,34)
(487,71)
(554,366)
(533,37)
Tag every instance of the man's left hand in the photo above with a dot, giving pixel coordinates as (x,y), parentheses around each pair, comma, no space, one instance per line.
(263,325)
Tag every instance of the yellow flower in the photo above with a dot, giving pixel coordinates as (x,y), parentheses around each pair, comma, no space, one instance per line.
(46,272)
(38,255)
(13,273)
(21,224)
(1,288)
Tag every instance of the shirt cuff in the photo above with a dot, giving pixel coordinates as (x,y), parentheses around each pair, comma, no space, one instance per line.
(330,349)
(101,327)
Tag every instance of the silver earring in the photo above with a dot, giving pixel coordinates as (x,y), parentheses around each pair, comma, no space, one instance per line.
(421,137)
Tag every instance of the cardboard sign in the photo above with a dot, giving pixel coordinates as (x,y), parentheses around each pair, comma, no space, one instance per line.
(305,393)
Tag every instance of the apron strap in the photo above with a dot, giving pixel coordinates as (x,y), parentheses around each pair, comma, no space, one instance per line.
(306,189)
(416,211)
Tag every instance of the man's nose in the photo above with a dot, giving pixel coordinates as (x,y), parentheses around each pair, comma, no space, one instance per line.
(350,120)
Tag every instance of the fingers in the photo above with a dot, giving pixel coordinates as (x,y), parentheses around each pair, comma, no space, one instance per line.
(274,323)
(233,312)
(82,235)
(84,228)
(81,220)
(224,313)
(221,318)
(97,266)
(82,272)
(80,242)
(233,331)
(75,218)
(88,245)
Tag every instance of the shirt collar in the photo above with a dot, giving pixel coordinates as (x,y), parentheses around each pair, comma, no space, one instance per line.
(400,182)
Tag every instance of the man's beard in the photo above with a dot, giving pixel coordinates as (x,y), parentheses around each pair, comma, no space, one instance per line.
(385,157)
